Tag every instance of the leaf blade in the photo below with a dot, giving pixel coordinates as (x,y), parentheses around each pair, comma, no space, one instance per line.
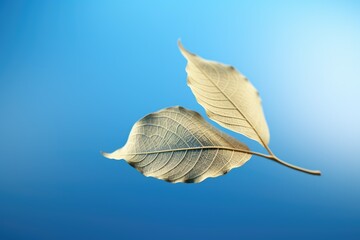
(227,96)
(178,145)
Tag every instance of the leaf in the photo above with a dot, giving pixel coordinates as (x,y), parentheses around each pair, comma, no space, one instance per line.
(227,96)
(178,145)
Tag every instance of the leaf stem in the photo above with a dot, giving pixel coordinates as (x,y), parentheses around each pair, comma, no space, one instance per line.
(313,172)
(267,148)
(276,159)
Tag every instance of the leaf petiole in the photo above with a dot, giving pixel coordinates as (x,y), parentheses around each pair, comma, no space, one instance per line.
(276,159)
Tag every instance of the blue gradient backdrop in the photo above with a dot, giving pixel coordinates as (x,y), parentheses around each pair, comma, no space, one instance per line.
(76,75)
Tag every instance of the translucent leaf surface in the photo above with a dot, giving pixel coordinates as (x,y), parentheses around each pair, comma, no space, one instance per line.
(227,96)
(178,145)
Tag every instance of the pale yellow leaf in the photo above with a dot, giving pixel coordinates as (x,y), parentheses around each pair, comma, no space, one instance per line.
(178,145)
(227,96)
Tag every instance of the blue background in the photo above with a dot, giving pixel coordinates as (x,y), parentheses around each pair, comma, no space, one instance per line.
(76,75)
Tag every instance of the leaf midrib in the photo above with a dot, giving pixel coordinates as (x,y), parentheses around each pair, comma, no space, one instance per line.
(195,148)
(260,138)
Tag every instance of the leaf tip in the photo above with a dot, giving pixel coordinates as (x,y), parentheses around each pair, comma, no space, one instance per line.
(113,155)
(183,51)
(105,154)
(181,47)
